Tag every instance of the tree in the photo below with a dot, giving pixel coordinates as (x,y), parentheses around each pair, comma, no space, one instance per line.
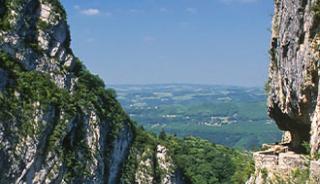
(162,135)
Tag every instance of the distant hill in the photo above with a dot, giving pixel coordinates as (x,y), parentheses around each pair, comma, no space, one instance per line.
(228,115)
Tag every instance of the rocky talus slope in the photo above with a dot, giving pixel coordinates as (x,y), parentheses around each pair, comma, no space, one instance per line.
(60,124)
(294,99)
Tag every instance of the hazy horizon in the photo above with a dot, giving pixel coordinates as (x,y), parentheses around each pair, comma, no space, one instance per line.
(195,84)
(215,42)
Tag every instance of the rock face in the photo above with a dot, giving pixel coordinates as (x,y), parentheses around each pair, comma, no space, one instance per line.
(272,166)
(58,123)
(161,161)
(293,76)
(293,88)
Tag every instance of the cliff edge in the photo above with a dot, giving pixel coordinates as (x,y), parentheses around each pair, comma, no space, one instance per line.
(293,94)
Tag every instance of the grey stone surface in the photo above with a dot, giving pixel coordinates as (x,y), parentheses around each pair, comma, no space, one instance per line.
(293,73)
(293,91)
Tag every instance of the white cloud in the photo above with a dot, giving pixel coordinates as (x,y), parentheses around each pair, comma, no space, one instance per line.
(90,11)
(191,10)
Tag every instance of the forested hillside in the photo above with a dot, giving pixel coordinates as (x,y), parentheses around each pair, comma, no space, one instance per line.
(60,124)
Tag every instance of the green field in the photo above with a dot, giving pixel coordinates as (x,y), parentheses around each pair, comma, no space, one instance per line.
(232,116)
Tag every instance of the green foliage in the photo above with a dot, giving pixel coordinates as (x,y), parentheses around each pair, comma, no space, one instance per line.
(244,167)
(32,42)
(200,161)
(267,86)
(42,25)
(4,16)
(205,163)
(264,174)
(57,7)
(162,135)
(9,65)
(90,92)
(15,5)
(143,142)
(28,91)
(33,88)
(316,9)
(300,175)
(4,23)
(307,147)
(77,161)
(297,176)
(112,93)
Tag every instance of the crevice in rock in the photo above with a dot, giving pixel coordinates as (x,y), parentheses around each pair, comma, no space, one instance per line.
(119,153)
(53,117)
(300,132)
(285,49)
(301,38)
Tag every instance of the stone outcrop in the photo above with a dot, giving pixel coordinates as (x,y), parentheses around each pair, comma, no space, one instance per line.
(293,74)
(277,164)
(155,166)
(293,90)
(315,171)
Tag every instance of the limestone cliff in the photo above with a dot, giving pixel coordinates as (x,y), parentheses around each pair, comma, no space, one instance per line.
(294,68)
(293,90)
(58,122)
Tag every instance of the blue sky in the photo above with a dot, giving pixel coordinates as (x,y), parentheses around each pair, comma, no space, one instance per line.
(173,41)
